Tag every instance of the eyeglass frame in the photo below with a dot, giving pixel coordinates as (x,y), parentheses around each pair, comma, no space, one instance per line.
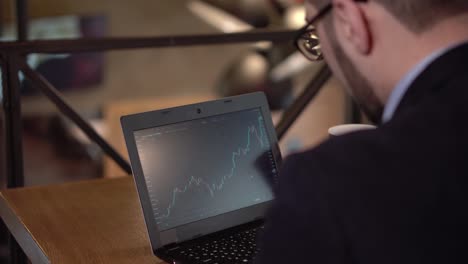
(305,29)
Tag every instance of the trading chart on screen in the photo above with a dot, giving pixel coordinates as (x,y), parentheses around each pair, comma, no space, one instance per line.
(206,167)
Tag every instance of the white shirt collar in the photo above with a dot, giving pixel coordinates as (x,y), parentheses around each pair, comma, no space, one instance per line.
(404,84)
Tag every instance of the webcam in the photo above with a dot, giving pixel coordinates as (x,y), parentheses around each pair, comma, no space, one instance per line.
(198,110)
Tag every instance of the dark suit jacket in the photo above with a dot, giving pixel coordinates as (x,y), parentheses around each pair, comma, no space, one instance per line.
(397,194)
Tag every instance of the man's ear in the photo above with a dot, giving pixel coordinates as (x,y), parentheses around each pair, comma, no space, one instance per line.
(351,22)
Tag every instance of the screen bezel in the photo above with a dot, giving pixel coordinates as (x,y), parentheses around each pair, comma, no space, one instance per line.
(136,122)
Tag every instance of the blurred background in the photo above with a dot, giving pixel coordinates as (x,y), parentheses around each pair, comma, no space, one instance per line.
(104,86)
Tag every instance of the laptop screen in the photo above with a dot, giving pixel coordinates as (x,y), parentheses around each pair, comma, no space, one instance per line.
(206,167)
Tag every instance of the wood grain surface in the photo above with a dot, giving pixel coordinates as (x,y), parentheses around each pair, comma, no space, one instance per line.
(96,221)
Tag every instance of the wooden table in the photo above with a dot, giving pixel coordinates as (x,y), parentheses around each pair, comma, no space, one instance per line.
(96,221)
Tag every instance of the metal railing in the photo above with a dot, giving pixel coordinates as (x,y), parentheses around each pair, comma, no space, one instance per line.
(13,60)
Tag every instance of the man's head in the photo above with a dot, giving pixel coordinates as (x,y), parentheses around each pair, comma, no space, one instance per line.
(370,45)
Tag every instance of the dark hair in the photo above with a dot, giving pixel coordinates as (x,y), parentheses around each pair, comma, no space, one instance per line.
(418,15)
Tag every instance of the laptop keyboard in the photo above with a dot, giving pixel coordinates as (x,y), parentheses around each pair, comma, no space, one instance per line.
(233,248)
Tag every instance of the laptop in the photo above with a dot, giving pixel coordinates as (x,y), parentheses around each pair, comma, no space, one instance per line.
(204,174)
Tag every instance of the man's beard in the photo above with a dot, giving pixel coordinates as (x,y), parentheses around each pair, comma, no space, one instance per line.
(360,87)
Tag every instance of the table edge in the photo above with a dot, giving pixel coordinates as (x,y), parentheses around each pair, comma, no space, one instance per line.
(22,235)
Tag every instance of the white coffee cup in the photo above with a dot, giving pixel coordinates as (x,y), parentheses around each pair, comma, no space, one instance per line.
(341,130)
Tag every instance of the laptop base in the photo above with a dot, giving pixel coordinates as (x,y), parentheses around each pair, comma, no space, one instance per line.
(234,245)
